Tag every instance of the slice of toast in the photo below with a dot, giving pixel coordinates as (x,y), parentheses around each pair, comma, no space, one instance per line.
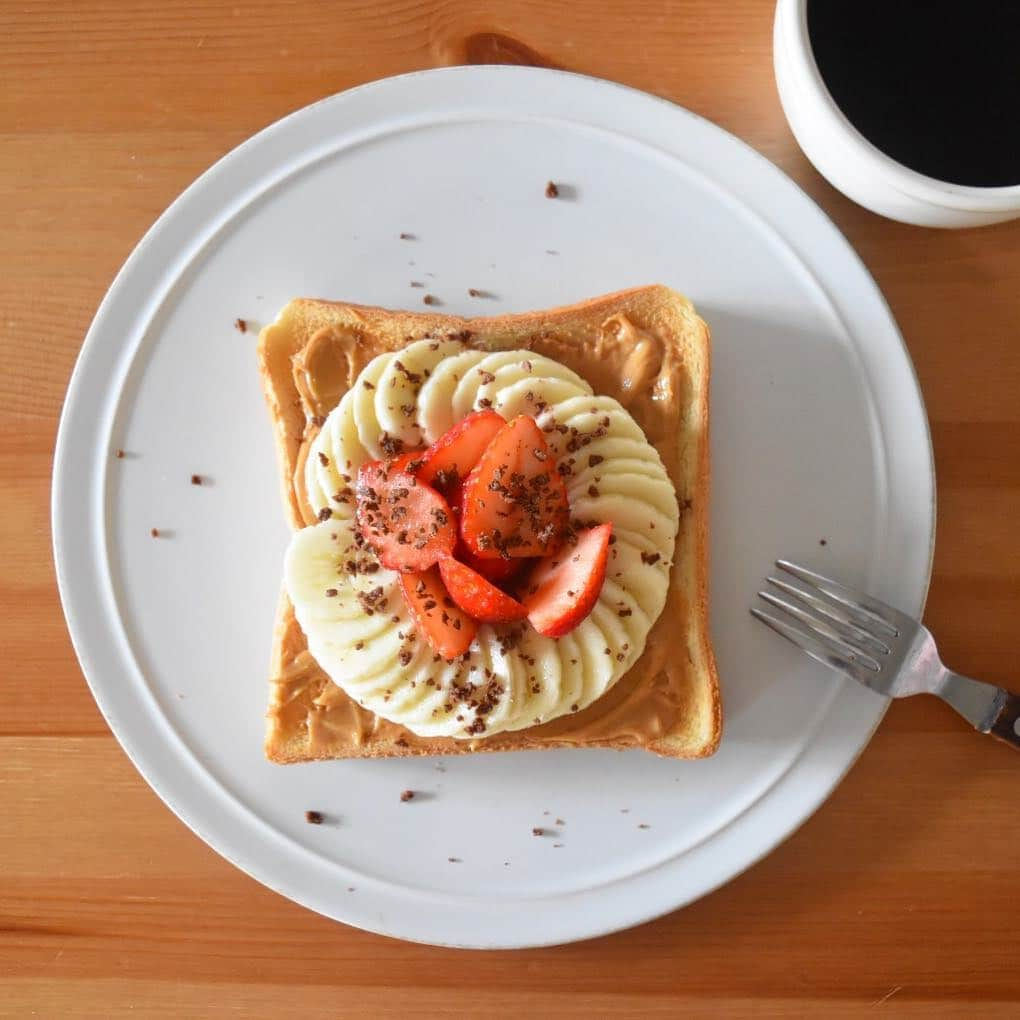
(647,348)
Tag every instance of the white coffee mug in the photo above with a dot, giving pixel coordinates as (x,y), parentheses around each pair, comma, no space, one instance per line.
(850,162)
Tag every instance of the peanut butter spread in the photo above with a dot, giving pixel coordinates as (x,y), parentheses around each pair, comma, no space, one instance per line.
(649,379)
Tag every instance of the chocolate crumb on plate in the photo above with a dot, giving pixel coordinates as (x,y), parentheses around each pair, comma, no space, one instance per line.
(154,532)
(240,325)
(454,860)
(822,541)
(407,795)
(196,479)
(119,455)
(314,817)
(551,191)
(417,283)
(405,236)
(430,299)
(644,825)
(537,831)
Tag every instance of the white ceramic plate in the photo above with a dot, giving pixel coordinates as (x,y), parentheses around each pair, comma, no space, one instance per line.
(818,432)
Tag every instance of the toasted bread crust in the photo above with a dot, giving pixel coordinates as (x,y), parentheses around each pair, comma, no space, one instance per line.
(699,722)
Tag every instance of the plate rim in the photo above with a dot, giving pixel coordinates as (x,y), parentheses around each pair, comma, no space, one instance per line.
(63,530)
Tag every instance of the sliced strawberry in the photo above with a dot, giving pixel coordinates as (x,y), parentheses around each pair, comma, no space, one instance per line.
(408,524)
(514,501)
(451,457)
(410,462)
(496,571)
(454,495)
(563,589)
(477,597)
(446,628)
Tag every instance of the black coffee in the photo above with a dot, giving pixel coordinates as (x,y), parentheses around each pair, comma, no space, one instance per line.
(935,84)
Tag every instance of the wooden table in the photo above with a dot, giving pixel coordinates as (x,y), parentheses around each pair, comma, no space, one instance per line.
(902,893)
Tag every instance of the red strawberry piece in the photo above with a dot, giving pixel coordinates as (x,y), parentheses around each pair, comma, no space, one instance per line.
(563,589)
(449,460)
(411,462)
(408,524)
(514,501)
(476,596)
(454,495)
(446,628)
(496,571)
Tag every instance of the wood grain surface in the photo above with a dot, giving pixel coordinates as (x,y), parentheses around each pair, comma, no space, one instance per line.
(900,895)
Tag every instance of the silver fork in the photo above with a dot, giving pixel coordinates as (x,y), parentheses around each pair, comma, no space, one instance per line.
(880,647)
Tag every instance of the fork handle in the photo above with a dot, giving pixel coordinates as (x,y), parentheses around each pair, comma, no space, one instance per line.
(1005,723)
(987,708)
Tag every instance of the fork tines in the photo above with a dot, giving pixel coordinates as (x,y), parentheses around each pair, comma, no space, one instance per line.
(832,623)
